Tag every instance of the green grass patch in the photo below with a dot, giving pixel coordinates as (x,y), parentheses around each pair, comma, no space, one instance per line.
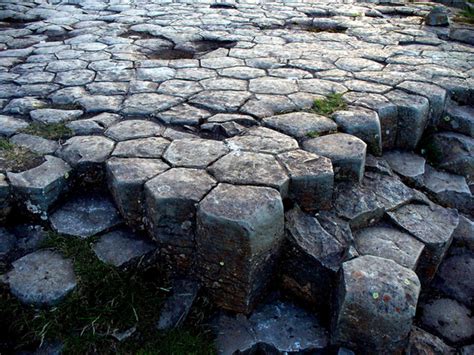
(54,131)
(329,105)
(466,15)
(313,134)
(105,301)
(15,158)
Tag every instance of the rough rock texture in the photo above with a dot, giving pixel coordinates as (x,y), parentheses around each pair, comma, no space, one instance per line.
(375,306)
(194,153)
(424,343)
(239,231)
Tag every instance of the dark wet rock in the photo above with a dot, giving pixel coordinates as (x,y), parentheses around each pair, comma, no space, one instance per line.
(377,165)
(248,222)
(85,216)
(438,16)
(454,277)
(248,168)
(409,166)
(376,304)
(433,226)
(448,319)
(338,227)
(311,259)
(389,243)
(459,119)
(424,343)
(177,306)
(126,177)
(29,237)
(5,198)
(194,153)
(463,235)
(10,125)
(40,187)
(7,244)
(86,151)
(122,248)
(42,278)
(311,179)
(275,328)
(262,140)
(300,125)
(35,144)
(347,154)
(366,203)
(171,200)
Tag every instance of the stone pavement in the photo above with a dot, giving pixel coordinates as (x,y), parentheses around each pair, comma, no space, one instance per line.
(198,117)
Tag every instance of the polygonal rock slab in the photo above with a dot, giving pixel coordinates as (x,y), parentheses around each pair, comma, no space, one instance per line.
(221,100)
(148,103)
(49,115)
(194,153)
(41,278)
(432,225)
(94,125)
(239,231)
(42,185)
(126,177)
(85,216)
(262,140)
(36,144)
(132,129)
(183,115)
(376,304)
(347,154)
(311,179)
(121,248)
(389,243)
(84,151)
(152,147)
(10,125)
(409,165)
(248,168)
(362,123)
(300,125)
(171,200)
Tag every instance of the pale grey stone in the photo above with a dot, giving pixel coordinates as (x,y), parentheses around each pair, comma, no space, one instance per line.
(35,144)
(132,129)
(49,115)
(152,147)
(84,151)
(10,125)
(194,152)
(262,140)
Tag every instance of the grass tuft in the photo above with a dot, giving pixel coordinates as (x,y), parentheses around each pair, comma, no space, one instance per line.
(54,131)
(329,105)
(15,158)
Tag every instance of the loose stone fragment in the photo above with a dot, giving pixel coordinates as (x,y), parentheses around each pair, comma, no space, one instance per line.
(239,232)
(121,248)
(422,343)
(41,186)
(376,304)
(432,225)
(42,278)
(437,17)
(194,153)
(311,179)
(85,216)
(126,177)
(347,154)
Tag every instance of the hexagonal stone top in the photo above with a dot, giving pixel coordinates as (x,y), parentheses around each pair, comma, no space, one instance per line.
(300,124)
(85,216)
(84,150)
(130,170)
(194,152)
(262,140)
(131,129)
(249,168)
(41,278)
(152,147)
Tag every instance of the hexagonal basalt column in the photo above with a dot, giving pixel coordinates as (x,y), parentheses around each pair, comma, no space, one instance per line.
(239,232)
(171,200)
(194,152)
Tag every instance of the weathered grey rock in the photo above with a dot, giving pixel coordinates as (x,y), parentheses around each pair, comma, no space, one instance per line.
(448,319)
(311,179)
(433,226)
(42,278)
(183,115)
(458,119)
(468,349)
(40,187)
(248,168)
(74,77)
(239,231)
(94,125)
(85,151)
(437,17)
(311,259)
(131,129)
(361,123)
(194,152)
(262,140)
(277,328)
(126,177)
(406,164)
(177,306)
(366,203)
(29,237)
(221,101)
(454,277)
(226,129)
(22,106)
(122,248)
(85,216)
(233,117)
(424,343)
(347,154)
(463,235)
(100,103)
(10,125)
(152,147)
(171,200)
(389,243)
(300,125)
(148,103)
(5,197)
(35,144)
(376,304)
(464,35)
(377,165)
(50,115)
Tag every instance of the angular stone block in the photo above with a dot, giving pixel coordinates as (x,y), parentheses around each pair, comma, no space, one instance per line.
(194,152)
(83,152)
(133,129)
(239,232)
(262,140)
(152,147)
(409,166)
(375,305)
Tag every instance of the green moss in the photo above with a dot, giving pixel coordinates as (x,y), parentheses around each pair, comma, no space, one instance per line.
(329,105)
(313,134)
(105,301)
(54,131)
(16,158)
